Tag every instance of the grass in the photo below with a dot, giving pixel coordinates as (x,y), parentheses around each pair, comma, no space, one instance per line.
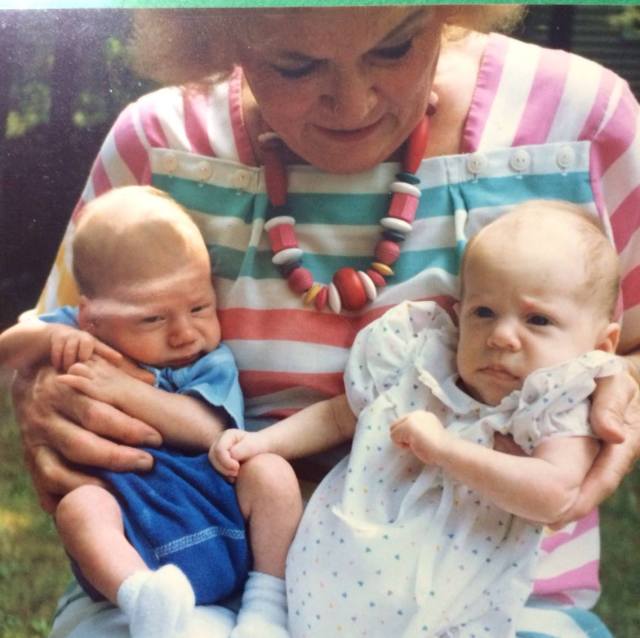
(34,570)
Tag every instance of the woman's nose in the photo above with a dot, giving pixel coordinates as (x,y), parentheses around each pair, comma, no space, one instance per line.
(504,336)
(350,96)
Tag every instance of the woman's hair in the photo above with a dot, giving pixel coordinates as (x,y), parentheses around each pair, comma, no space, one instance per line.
(195,46)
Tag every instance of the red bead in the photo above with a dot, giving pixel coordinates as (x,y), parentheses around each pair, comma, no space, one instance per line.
(387,251)
(416,145)
(351,289)
(403,206)
(282,236)
(275,176)
(376,277)
(300,280)
(321,299)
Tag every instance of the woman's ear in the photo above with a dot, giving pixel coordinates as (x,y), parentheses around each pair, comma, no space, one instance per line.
(609,338)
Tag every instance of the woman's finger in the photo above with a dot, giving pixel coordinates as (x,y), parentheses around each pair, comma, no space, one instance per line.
(609,406)
(108,353)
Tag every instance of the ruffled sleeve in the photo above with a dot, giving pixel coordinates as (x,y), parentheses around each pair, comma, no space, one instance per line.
(386,347)
(554,401)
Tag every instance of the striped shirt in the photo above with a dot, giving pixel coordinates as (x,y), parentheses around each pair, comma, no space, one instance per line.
(542,124)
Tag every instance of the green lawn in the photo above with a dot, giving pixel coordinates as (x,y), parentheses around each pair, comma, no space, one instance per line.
(34,571)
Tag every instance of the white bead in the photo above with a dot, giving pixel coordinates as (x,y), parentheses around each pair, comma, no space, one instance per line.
(369,286)
(204,170)
(276,221)
(286,256)
(407,189)
(393,223)
(520,160)
(335,303)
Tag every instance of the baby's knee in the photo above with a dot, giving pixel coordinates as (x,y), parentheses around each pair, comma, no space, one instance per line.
(75,507)
(268,475)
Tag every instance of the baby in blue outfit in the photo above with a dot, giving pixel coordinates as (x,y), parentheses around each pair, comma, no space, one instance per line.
(157,543)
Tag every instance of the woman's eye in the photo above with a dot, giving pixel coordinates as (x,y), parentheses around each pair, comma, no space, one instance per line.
(539,320)
(294,73)
(484,312)
(395,52)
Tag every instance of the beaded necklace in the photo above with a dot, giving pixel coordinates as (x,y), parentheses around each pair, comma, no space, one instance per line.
(349,289)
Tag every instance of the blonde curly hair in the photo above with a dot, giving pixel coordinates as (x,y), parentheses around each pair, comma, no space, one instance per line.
(192,46)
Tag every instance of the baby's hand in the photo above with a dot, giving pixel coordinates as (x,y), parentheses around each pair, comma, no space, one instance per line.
(232,448)
(422,433)
(70,345)
(98,379)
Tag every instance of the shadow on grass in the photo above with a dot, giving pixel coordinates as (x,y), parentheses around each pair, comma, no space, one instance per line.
(34,570)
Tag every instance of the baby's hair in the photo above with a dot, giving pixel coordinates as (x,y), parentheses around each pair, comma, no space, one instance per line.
(131,233)
(601,264)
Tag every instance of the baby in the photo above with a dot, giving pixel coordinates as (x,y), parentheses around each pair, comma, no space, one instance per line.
(425,530)
(157,543)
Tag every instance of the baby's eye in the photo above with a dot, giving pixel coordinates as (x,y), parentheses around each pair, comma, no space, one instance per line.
(293,73)
(539,320)
(395,52)
(200,308)
(484,312)
(151,319)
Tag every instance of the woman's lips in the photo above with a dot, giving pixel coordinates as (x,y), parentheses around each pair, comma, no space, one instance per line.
(348,135)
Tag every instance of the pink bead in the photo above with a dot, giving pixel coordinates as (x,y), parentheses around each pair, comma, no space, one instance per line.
(351,289)
(300,280)
(282,236)
(403,206)
(387,251)
(321,299)
(275,176)
(376,277)
(416,146)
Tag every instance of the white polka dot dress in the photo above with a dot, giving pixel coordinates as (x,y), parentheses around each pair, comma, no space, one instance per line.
(389,547)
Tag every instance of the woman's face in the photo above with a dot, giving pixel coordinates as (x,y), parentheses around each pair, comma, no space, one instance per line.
(342,87)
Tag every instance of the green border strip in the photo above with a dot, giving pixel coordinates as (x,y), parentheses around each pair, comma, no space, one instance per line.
(157,4)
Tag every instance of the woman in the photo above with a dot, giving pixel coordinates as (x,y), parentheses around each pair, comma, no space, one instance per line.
(343,89)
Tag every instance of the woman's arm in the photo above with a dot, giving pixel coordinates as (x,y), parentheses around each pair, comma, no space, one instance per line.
(541,488)
(182,420)
(318,427)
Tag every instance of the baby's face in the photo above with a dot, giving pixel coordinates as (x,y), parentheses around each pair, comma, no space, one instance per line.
(521,311)
(165,321)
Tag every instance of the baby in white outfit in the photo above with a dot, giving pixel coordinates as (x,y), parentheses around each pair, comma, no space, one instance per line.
(425,529)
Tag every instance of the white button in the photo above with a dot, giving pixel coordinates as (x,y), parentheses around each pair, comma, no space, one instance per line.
(565,157)
(169,162)
(204,170)
(240,180)
(520,160)
(477,163)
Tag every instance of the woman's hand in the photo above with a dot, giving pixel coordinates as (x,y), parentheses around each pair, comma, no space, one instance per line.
(63,430)
(615,418)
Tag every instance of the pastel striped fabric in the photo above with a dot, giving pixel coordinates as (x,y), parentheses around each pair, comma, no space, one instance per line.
(542,124)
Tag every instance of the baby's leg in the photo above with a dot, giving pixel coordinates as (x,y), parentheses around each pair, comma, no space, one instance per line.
(158,603)
(270,501)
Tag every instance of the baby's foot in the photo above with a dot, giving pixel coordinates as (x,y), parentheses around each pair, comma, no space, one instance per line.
(158,603)
(263,611)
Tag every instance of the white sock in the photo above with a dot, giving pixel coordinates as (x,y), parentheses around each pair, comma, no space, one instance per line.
(263,611)
(158,604)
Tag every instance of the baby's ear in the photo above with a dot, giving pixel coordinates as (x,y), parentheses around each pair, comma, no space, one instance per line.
(609,338)
(85,322)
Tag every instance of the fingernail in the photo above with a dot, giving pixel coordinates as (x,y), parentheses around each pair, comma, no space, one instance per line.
(153,440)
(144,463)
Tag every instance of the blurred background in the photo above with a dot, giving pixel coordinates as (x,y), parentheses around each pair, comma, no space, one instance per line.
(63,80)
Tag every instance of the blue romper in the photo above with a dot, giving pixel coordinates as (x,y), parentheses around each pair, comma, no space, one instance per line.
(182,511)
